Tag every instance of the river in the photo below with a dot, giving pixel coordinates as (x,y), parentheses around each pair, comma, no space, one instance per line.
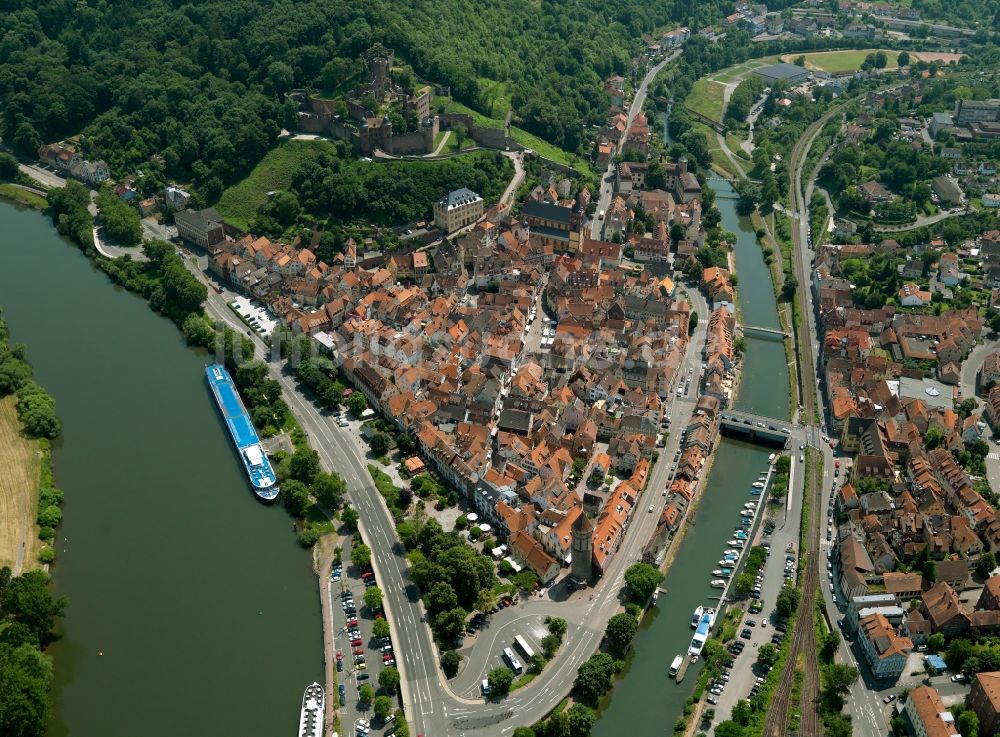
(644,700)
(193,611)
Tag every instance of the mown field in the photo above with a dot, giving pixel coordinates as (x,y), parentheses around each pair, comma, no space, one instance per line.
(839,62)
(20,461)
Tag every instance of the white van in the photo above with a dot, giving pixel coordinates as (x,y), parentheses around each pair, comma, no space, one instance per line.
(485,685)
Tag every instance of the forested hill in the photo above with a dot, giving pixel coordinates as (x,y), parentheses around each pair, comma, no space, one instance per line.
(201,83)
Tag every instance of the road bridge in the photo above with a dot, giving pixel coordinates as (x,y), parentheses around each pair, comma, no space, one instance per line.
(756,428)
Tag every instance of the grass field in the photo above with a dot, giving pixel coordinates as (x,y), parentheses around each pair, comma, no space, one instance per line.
(20,460)
(837,62)
(239,203)
(706,98)
(549,151)
(456,107)
(498,94)
(15,193)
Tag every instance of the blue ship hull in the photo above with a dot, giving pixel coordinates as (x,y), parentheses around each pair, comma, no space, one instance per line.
(241,430)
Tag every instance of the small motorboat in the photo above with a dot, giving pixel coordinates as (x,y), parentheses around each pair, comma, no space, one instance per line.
(656,596)
(718,583)
(758,484)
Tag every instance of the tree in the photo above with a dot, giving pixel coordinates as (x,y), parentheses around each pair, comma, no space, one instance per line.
(968,723)
(904,60)
(121,220)
(729,729)
(935,643)
(304,464)
(361,556)
(380,443)
(329,490)
(642,579)
(349,516)
(744,584)
(380,628)
(557,626)
(692,322)
(8,167)
(789,287)
(593,678)
(582,720)
(357,404)
(929,570)
(440,598)
(461,133)
(840,677)
(28,600)
(24,690)
(742,713)
(449,625)
(620,631)
(788,600)
(382,706)
(388,678)
(985,565)
(373,598)
(767,654)
(500,681)
(449,663)
(365,694)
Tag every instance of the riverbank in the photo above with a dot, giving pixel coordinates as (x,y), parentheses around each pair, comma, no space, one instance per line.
(29,502)
(18,195)
(228,605)
(20,459)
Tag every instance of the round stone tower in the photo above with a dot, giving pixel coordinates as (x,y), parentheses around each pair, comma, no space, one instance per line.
(581,566)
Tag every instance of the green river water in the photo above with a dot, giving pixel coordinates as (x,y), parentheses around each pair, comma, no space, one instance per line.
(193,611)
(645,702)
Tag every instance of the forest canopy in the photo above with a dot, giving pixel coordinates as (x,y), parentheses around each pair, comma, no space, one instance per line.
(202,84)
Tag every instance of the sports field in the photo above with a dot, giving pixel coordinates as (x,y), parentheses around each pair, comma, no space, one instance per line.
(840,62)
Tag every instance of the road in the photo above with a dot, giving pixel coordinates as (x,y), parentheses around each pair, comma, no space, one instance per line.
(432,706)
(608,178)
(922,220)
(517,159)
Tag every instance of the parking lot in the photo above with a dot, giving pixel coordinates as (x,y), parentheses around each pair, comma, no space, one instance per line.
(258,317)
(360,655)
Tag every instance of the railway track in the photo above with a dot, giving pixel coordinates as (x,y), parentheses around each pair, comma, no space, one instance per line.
(803,648)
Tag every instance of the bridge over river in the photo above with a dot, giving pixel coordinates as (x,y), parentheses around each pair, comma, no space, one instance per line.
(756,428)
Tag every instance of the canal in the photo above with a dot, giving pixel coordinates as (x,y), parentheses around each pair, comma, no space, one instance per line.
(645,701)
(192,609)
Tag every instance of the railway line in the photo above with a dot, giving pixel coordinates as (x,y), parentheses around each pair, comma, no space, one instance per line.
(803,649)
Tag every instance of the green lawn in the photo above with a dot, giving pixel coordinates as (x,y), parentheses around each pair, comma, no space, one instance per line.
(239,202)
(706,98)
(498,94)
(836,62)
(456,107)
(550,151)
(15,193)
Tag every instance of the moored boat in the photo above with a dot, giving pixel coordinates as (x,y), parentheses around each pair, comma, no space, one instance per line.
(696,617)
(717,583)
(758,484)
(701,633)
(675,665)
(311,716)
(241,430)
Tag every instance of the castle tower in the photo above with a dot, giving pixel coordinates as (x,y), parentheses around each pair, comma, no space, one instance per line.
(581,567)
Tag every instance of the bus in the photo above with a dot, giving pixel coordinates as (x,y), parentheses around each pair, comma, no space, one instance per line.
(523,647)
(512,661)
